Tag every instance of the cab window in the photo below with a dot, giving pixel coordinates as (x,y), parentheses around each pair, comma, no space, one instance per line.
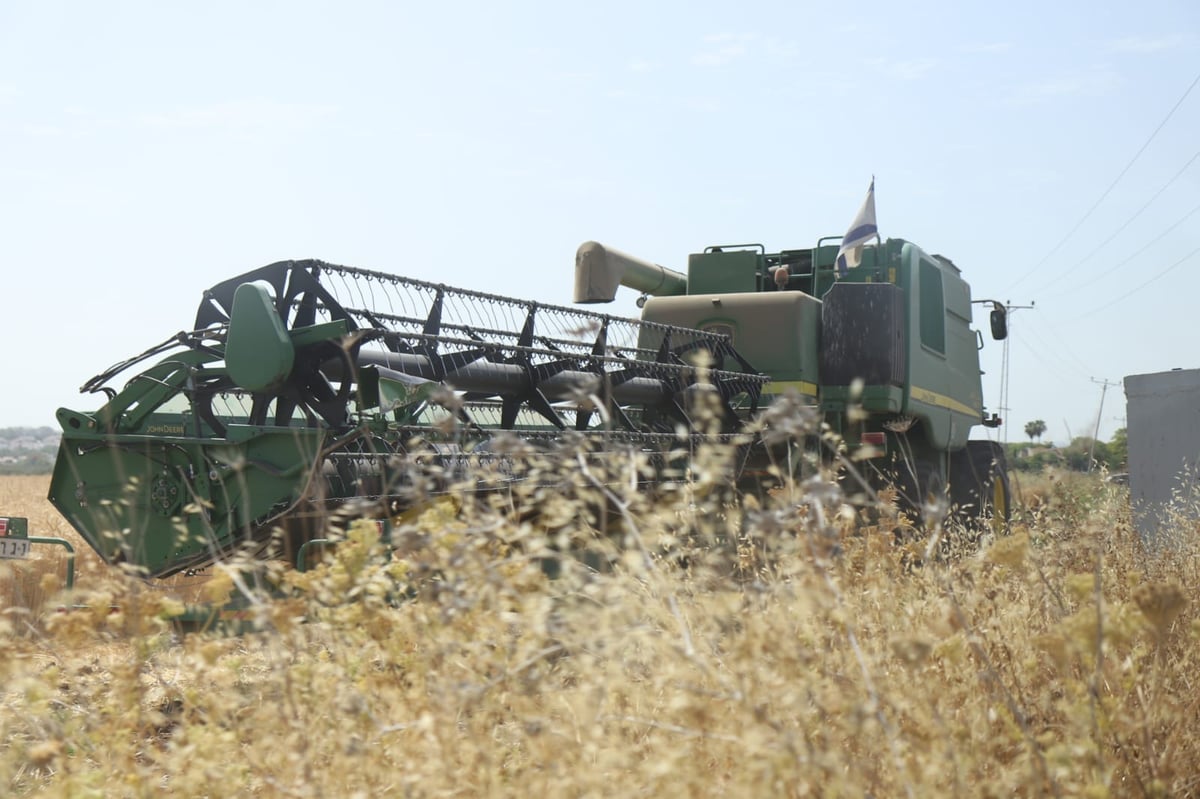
(933,308)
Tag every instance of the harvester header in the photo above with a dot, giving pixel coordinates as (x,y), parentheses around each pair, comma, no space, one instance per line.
(305,383)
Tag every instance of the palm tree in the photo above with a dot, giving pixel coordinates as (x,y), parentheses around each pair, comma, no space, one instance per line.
(1035,429)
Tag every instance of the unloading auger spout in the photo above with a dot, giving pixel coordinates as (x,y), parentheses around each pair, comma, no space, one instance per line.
(600,270)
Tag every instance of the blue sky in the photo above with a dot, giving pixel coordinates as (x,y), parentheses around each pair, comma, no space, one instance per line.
(150,150)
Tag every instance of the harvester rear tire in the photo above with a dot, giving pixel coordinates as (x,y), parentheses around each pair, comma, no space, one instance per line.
(979,488)
(932,491)
(920,488)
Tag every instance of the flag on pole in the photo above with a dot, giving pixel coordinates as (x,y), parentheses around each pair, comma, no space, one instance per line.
(862,230)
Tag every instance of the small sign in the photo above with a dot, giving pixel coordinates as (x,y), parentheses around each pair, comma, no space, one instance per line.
(11,548)
(14,537)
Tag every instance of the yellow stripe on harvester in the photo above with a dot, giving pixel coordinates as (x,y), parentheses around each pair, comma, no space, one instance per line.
(781,386)
(942,401)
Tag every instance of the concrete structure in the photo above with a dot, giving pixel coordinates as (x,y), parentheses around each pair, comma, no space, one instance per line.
(1163,411)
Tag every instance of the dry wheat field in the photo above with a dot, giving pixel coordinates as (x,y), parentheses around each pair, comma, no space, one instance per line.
(758,649)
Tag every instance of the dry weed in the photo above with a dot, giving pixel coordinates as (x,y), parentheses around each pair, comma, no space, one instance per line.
(685,646)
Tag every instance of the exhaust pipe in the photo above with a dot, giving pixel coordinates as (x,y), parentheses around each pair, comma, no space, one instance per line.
(599,270)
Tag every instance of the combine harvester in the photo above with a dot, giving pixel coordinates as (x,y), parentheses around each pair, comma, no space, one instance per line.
(305,385)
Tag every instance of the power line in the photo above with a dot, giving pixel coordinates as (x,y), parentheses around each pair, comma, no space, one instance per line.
(1039,356)
(1141,285)
(1062,382)
(1112,186)
(1138,252)
(1039,352)
(1052,344)
(1127,223)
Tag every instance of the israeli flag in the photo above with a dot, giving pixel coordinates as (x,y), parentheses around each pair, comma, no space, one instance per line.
(862,230)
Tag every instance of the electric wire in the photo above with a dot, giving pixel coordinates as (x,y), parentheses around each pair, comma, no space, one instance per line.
(1056,373)
(1039,357)
(1111,186)
(1122,228)
(1095,278)
(1141,286)
(1059,367)
(1064,383)
(1053,343)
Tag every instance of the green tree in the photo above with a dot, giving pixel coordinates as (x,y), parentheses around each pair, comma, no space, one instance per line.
(1080,453)
(1035,429)
(1025,458)
(1118,451)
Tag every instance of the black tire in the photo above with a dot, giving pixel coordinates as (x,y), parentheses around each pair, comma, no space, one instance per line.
(980,494)
(920,488)
(933,489)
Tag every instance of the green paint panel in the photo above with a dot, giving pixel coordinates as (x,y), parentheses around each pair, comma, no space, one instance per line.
(775,331)
(723,272)
(161,503)
(258,353)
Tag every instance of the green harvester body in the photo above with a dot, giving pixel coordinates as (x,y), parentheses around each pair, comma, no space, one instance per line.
(306,387)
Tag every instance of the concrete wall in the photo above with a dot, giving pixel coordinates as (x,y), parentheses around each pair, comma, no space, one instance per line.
(1163,412)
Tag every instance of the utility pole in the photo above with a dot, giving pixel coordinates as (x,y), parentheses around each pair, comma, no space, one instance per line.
(1104,383)
(1009,309)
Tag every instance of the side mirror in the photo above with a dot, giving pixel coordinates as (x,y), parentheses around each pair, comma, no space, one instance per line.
(999,322)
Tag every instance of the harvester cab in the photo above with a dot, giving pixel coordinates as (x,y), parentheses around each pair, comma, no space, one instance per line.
(886,351)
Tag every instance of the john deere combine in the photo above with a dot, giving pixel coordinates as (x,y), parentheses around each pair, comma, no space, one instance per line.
(305,384)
